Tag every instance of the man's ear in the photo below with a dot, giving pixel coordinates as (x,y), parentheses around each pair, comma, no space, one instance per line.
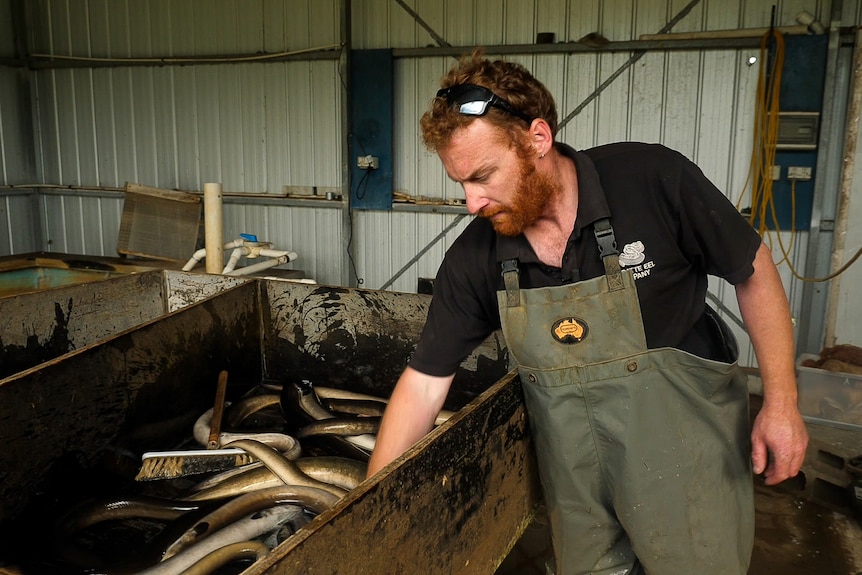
(541,137)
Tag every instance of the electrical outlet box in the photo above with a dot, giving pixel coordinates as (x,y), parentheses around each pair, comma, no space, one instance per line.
(776,173)
(799,173)
(797,130)
(368,162)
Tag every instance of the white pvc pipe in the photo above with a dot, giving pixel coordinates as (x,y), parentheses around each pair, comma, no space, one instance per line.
(237,243)
(201,254)
(260,266)
(268,253)
(213,228)
(235,255)
(196,257)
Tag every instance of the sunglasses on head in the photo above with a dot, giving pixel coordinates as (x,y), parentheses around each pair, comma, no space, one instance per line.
(473,100)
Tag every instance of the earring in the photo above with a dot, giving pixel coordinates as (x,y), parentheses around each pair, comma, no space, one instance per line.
(541,156)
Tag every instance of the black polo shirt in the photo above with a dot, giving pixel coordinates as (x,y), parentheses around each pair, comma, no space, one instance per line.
(673,228)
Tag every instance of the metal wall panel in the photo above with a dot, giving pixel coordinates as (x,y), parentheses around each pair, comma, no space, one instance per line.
(698,102)
(845,289)
(182,127)
(257,127)
(179,127)
(392,240)
(7,36)
(79,224)
(17,207)
(313,233)
(17,234)
(848,327)
(16,154)
(254,127)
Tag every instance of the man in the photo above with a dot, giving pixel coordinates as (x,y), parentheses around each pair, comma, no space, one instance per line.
(638,410)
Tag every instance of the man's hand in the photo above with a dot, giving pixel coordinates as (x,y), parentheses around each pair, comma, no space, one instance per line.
(778,442)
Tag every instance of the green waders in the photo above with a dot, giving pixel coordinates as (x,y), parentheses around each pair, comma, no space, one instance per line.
(644,455)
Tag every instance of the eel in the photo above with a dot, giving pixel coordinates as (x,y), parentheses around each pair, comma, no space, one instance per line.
(240,410)
(279,441)
(339,471)
(361,407)
(245,529)
(325,393)
(226,555)
(283,468)
(308,498)
(340,426)
(102,509)
(303,393)
(94,511)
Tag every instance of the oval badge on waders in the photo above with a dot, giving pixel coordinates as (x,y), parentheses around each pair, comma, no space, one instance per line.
(570,330)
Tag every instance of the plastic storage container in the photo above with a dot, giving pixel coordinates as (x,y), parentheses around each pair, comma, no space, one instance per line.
(829,397)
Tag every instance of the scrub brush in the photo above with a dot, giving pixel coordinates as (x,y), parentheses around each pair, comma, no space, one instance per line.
(173,464)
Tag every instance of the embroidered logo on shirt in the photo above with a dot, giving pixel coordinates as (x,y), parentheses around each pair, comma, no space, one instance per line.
(569,330)
(633,257)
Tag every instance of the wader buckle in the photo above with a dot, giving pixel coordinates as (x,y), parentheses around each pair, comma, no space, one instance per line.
(510,281)
(608,252)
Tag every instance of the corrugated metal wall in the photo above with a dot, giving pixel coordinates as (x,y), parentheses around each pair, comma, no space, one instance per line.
(17,207)
(254,127)
(700,103)
(844,314)
(257,127)
(846,291)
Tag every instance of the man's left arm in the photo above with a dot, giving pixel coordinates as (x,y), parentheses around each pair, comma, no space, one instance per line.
(779,437)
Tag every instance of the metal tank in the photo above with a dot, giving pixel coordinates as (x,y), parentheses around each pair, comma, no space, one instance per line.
(458,501)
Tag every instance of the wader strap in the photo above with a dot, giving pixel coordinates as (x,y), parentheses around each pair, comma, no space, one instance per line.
(510,281)
(609,254)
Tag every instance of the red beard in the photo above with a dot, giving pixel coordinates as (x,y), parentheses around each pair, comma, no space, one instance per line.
(529,200)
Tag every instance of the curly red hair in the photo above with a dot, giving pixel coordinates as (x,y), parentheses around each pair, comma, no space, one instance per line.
(508,80)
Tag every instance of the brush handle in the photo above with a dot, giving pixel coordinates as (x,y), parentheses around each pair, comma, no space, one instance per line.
(218,411)
(199,453)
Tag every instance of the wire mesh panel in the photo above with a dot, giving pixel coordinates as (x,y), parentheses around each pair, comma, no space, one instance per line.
(160,224)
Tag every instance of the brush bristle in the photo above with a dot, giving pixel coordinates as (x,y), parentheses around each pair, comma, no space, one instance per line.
(173,466)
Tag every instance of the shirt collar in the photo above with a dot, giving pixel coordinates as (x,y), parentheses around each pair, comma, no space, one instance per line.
(592,206)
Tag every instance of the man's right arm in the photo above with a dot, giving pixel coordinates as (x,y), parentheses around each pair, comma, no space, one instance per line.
(413,407)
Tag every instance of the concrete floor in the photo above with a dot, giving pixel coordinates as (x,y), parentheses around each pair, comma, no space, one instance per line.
(793,537)
(806,526)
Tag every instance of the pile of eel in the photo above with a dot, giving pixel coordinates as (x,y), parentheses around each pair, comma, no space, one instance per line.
(222,521)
